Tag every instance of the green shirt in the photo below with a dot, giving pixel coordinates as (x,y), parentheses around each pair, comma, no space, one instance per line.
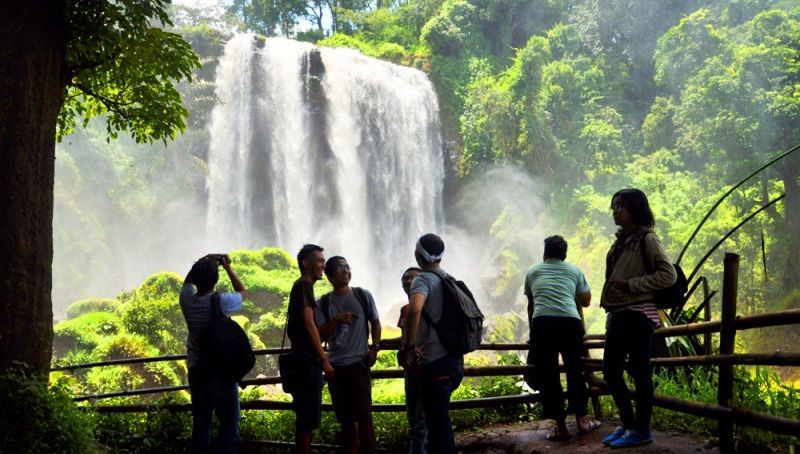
(554,284)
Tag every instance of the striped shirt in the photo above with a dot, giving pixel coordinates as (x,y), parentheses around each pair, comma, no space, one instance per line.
(649,310)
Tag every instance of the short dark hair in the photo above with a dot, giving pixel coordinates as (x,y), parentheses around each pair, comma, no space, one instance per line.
(412,268)
(555,247)
(330,264)
(432,244)
(205,274)
(306,251)
(637,205)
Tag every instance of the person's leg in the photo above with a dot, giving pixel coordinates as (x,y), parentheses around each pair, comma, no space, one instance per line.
(202,409)
(362,407)
(572,353)
(349,437)
(415,414)
(641,335)
(226,404)
(307,403)
(302,441)
(545,353)
(439,379)
(614,365)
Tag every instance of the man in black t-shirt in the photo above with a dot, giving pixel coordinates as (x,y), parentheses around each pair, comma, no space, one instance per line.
(302,330)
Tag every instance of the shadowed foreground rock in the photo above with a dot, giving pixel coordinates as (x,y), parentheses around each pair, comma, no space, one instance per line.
(530,438)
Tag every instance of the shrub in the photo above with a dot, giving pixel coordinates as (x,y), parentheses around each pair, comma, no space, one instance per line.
(92,305)
(85,332)
(35,418)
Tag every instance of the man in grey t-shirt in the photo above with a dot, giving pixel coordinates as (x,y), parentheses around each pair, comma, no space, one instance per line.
(348,315)
(441,372)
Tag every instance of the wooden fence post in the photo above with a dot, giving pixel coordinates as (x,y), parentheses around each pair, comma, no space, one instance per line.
(727,338)
(706,317)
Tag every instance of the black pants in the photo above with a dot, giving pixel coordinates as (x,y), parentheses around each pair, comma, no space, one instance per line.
(630,333)
(551,336)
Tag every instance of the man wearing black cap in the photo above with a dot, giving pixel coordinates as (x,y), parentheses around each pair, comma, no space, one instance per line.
(441,372)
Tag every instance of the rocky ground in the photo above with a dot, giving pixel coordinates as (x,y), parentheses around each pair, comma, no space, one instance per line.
(530,438)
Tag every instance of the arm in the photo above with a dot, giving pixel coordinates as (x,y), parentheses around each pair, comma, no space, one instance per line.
(375,331)
(583,299)
(529,295)
(238,287)
(416,302)
(316,343)
(326,330)
(664,274)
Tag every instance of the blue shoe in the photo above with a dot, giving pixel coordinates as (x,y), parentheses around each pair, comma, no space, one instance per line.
(632,438)
(620,431)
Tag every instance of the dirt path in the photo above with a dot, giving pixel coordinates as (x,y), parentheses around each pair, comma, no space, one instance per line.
(529,438)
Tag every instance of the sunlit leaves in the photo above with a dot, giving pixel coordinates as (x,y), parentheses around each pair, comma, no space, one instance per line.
(123,67)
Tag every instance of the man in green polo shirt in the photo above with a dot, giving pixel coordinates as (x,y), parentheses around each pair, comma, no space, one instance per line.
(554,289)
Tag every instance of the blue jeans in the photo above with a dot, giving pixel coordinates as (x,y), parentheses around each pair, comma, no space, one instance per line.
(210,395)
(415,413)
(630,333)
(439,379)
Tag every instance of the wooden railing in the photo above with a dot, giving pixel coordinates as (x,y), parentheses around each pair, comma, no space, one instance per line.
(723,411)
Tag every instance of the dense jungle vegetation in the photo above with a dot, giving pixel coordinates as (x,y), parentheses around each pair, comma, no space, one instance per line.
(576,99)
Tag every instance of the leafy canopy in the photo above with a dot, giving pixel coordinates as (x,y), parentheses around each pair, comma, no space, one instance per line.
(121,65)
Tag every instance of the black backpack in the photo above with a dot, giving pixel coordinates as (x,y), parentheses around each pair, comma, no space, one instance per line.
(225,351)
(460,327)
(672,296)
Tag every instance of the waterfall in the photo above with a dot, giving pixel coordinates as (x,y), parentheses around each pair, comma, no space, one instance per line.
(324,146)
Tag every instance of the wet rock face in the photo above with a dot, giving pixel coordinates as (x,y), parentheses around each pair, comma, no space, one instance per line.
(315,66)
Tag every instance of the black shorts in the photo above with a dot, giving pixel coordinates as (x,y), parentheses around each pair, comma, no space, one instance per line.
(351,393)
(307,402)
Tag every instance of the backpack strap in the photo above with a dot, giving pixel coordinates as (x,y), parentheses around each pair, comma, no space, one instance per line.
(216,308)
(362,300)
(441,275)
(325,306)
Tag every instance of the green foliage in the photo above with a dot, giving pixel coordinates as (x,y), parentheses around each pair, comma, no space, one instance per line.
(92,305)
(40,418)
(124,68)
(143,433)
(152,311)
(84,332)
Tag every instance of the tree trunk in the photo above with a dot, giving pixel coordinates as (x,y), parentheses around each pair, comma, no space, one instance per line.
(32,82)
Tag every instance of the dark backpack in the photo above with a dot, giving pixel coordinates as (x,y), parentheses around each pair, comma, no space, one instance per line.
(225,351)
(460,327)
(672,296)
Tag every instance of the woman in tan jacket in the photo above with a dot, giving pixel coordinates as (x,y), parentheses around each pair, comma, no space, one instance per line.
(632,315)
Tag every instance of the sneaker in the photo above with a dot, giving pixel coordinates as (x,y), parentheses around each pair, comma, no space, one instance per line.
(618,432)
(632,438)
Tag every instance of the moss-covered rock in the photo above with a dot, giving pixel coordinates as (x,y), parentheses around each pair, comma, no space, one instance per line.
(92,305)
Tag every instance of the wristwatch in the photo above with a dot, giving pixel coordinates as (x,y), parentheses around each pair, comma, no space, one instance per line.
(375,346)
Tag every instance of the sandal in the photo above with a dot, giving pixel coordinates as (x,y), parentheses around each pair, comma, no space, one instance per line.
(557,435)
(592,425)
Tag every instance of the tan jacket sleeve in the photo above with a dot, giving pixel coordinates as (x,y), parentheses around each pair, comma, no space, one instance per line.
(664,274)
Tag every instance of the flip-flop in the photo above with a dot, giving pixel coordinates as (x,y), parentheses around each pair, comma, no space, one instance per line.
(592,426)
(557,435)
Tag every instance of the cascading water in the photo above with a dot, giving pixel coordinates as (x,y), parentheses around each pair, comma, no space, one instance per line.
(324,146)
